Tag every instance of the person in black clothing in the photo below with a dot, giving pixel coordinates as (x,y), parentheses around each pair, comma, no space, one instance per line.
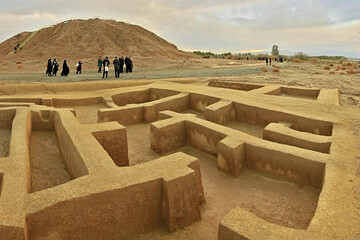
(267,60)
(116,63)
(106,64)
(130,64)
(78,67)
(65,70)
(49,68)
(121,64)
(55,67)
(126,64)
(99,64)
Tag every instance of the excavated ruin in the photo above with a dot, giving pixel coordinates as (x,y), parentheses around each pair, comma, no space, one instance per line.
(226,161)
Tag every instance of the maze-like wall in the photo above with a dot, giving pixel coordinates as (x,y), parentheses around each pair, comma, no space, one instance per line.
(65,171)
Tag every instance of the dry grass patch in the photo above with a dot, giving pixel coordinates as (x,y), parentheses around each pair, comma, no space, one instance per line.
(349,64)
(276,70)
(264,70)
(296,60)
(331,72)
(352,71)
(327,68)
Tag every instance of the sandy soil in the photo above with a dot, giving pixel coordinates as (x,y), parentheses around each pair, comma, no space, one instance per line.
(254,130)
(5,136)
(139,144)
(272,199)
(87,114)
(196,113)
(306,74)
(46,163)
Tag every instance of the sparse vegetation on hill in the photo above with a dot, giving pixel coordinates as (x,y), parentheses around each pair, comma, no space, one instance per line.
(215,55)
(301,56)
(80,39)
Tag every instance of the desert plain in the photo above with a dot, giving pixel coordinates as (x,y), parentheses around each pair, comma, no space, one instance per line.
(182,148)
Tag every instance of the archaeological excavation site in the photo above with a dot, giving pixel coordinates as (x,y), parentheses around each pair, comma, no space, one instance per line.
(224,160)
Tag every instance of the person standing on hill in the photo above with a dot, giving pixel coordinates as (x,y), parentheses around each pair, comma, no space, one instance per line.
(121,64)
(65,70)
(49,68)
(270,61)
(130,64)
(55,67)
(78,67)
(106,64)
(267,60)
(126,64)
(116,63)
(99,64)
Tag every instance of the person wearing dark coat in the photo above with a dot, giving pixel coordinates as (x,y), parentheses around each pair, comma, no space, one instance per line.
(267,60)
(130,64)
(106,64)
(55,67)
(99,64)
(126,64)
(78,67)
(121,64)
(116,63)
(49,68)
(65,70)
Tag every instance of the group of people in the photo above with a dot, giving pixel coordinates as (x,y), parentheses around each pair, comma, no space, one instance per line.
(268,60)
(53,68)
(118,65)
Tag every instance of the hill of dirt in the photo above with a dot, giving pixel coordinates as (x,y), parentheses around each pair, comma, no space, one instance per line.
(87,39)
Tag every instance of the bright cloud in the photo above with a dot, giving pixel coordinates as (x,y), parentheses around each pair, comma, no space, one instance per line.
(313,26)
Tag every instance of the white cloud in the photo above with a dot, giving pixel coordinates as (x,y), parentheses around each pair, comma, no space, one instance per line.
(307,25)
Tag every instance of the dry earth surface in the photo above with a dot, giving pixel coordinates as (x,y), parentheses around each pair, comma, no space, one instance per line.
(275,200)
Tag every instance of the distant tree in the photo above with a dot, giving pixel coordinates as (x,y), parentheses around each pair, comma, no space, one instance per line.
(301,56)
(275,50)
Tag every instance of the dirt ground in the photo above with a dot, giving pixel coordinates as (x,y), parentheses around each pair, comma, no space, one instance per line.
(275,200)
(87,114)
(5,135)
(46,162)
(305,74)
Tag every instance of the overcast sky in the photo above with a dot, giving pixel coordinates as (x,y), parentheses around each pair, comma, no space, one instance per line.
(317,27)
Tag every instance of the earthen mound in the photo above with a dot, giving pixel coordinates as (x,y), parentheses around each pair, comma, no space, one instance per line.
(79,39)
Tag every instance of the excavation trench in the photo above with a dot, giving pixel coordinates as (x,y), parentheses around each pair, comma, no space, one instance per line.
(273,199)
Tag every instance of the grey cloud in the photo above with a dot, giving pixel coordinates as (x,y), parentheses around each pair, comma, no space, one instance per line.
(229,24)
